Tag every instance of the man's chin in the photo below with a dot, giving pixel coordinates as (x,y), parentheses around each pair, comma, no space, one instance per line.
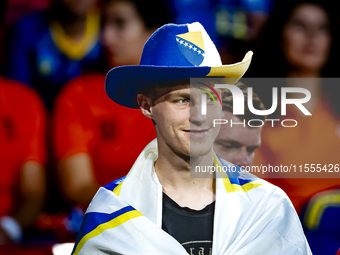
(199,148)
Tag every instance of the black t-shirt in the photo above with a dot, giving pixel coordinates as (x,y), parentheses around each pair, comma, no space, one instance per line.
(192,229)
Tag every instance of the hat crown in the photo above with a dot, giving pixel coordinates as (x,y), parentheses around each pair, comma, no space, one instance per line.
(180,45)
(173,52)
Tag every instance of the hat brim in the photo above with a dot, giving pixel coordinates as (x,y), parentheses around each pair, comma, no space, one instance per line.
(123,83)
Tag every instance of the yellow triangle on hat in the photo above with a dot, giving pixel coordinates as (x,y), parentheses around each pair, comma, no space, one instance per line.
(193,37)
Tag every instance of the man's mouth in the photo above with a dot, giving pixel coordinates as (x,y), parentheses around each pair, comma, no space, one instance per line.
(197,133)
(197,130)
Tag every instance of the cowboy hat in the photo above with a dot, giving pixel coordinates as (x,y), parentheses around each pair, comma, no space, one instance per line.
(173,52)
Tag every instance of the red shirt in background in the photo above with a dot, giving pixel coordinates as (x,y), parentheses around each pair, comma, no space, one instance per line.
(86,120)
(22,137)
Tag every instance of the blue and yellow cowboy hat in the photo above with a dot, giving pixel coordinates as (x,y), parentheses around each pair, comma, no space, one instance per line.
(173,52)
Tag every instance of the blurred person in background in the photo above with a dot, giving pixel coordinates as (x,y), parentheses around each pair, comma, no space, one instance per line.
(237,143)
(97,140)
(304,36)
(47,49)
(22,156)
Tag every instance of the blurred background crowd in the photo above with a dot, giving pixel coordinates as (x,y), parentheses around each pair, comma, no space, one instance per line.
(61,137)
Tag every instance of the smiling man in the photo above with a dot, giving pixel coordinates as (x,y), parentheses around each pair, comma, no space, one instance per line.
(162,206)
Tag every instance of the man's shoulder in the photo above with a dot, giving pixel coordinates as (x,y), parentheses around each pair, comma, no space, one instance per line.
(112,185)
(235,171)
(239,176)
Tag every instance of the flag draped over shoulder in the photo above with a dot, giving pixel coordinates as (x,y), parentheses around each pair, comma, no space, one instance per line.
(252,216)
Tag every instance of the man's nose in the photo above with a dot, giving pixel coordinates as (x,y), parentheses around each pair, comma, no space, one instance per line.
(196,116)
(243,158)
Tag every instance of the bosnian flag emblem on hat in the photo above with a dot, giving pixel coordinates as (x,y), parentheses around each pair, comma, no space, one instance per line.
(192,47)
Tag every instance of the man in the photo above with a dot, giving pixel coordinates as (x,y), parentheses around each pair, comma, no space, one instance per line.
(152,210)
(236,141)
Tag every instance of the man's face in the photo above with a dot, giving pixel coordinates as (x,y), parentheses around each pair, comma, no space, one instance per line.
(237,144)
(180,126)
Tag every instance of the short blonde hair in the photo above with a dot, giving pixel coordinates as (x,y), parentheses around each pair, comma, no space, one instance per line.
(227,103)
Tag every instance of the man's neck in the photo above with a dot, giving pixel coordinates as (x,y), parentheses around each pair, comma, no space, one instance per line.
(173,172)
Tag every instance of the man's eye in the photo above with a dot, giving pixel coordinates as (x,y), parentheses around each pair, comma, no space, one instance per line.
(211,99)
(251,149)
(183,101)
(230,146)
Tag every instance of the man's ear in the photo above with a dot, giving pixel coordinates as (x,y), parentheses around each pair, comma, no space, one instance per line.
(144,103)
